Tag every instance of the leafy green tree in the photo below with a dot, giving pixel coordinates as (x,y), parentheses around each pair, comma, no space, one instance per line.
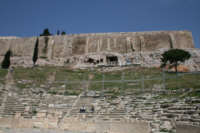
(6,61)
(46,32)
(174,57)
(35,52)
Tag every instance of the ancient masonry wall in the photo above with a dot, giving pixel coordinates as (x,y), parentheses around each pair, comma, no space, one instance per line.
(63,47)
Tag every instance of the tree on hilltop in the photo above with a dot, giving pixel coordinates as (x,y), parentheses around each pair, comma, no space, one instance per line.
(35,52)
(6,61)
(46,32)
(63,33)
(174,57)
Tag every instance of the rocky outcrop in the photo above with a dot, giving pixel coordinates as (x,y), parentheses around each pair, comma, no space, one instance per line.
(58,50)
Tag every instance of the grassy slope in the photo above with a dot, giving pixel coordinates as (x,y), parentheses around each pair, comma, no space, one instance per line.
(3,73)
(39,76)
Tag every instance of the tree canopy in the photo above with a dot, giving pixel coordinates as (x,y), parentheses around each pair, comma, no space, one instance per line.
(63,33)
(46,32)
(174,57)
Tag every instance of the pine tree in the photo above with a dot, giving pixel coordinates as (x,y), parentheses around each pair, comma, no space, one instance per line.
(35,53)
(46,32)
(63,33)
(174,57)
(6,61)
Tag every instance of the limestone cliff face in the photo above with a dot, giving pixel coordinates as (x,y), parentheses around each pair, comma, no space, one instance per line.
(63,47)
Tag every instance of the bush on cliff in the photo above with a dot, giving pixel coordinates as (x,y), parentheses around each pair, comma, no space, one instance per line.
(35,52)
(6,61)
(174,57)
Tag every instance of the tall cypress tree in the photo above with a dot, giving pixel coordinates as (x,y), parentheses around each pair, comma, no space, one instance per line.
(6,61)
(35,53)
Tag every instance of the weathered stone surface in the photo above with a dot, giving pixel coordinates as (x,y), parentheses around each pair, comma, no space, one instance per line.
(69,49)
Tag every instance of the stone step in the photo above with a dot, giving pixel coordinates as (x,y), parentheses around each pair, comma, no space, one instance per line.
(28,116)
(182,108)
(116,116)
(181,111)
(108,114)
(15,107)
(7,115)
(6,110)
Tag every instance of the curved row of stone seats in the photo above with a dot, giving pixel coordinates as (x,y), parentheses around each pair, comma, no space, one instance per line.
(84,115)
(57,102)
(83,102)
(60,107)
(42,103)
(76,110)
(184,113)
(11,107)
(108,109)
(110,116)
(163,110)
(58,99)
(1,100)
(18,103)
(27,115)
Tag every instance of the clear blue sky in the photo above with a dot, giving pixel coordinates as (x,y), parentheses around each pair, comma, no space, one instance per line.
(29,17)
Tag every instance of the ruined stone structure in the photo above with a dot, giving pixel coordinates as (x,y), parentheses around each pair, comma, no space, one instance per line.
(141,113)
(34,108)
(83,50)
